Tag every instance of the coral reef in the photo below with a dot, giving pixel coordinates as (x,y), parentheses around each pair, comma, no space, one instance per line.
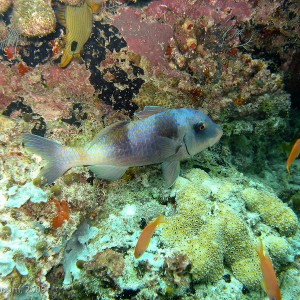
(34,18)
(208,231)
(272,211)
(72,2)
(4,5)
(226,58)
(203,58)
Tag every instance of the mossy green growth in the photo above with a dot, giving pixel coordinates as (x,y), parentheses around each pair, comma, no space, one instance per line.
(295,201)
(210,232)
(272,210)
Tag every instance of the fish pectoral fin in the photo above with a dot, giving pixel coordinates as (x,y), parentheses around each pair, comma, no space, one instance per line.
(108,172)
(149,111)
(171,171)
(168,147)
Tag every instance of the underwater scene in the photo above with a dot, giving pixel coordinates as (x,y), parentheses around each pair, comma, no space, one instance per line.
(149,149)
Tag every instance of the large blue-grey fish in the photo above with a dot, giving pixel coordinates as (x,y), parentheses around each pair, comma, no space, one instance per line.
(159,135)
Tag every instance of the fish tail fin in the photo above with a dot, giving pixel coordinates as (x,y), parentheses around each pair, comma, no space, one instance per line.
(59,158)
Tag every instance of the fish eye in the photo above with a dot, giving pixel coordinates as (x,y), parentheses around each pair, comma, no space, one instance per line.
(199,127)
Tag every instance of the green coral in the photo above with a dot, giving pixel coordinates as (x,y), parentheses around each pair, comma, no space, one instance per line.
(271,209)
(210,233)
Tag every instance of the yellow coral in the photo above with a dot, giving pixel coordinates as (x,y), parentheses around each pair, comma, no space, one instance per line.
(272,210)
(208,230)
(209,233)
(278,248)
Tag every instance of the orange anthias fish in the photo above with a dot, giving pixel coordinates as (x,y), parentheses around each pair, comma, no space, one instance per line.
(146,235)
(293,155)
(270,283)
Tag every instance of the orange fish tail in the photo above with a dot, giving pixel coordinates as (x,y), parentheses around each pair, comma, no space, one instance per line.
(293,155)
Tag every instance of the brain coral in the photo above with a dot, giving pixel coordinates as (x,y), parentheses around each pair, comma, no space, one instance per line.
(209,227)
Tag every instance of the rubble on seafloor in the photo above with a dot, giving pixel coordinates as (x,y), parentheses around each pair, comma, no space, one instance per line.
(227,58)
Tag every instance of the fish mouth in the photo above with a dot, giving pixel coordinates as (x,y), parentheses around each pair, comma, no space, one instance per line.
(214,140)
(219,133)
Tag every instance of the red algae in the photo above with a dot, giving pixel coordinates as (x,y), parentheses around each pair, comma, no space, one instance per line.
(62,210)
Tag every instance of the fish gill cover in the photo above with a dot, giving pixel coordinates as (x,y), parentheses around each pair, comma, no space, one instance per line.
(237,61)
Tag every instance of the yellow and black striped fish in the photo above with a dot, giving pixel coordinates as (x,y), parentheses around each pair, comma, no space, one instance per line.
(78,21)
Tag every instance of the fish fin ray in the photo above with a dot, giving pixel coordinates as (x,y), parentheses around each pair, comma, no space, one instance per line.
(171,171)
(51,151)
(106,131)
(108,172)
(60,13)
(149,111)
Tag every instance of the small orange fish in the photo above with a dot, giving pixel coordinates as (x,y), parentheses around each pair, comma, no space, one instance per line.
(293,155)
(144,239)
(270,283)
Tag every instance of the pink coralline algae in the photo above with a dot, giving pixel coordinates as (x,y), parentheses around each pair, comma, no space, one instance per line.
(170,10)
(148,31)
(143,36)
(203,59)
(47,89)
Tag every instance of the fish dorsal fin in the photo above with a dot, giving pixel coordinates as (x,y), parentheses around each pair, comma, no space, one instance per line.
(106,131)
(60,13)
(149,111)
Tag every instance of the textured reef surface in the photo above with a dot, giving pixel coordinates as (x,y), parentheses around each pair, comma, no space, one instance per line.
(238,62)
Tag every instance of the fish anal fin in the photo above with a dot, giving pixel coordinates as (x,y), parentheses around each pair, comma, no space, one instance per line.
(171,171)
(149,111)
(108,172)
